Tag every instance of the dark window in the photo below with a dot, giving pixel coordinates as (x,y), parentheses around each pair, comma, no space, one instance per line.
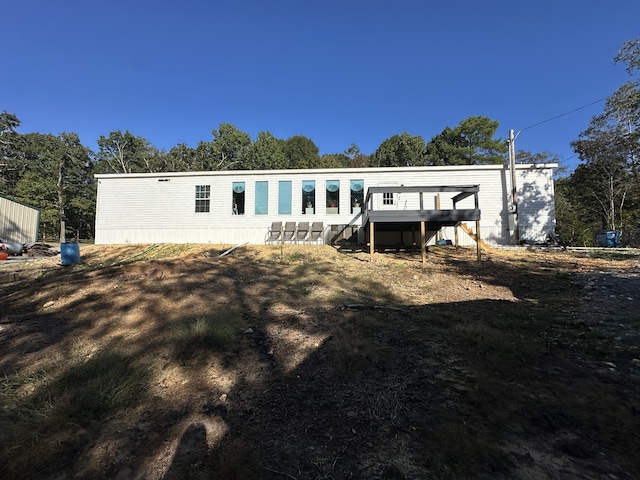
(357,195)
(333,196)
(308,196)
(238,198)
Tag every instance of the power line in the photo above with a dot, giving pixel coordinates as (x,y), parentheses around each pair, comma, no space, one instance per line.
(563,114)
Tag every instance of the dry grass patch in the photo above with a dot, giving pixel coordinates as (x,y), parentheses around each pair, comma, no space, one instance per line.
(139,363)
(56,411)
(207,333)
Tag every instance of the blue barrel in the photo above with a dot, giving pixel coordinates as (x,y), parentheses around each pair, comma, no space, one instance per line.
(70,253)
(608,239)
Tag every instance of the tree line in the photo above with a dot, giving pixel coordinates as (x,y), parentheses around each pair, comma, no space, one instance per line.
(55,172)
(603,193)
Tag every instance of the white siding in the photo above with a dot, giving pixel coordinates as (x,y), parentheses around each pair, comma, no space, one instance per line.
(536,208)
(160,208)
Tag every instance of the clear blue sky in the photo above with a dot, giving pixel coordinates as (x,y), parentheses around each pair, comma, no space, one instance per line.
(338,72)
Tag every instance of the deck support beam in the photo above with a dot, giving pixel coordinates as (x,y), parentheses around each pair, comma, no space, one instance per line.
(423,242)
(372,240)
(455,236)
(478,240)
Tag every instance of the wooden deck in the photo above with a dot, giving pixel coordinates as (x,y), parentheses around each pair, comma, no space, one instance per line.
(377,215)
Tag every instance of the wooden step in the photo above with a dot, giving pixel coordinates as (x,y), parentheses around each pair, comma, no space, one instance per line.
(465,228)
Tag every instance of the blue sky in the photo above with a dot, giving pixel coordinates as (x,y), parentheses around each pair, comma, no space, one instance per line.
(338,72)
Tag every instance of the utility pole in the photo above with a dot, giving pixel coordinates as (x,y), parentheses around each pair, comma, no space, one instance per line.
(513,214)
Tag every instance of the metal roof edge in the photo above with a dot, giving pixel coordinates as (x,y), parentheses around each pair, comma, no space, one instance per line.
(19,202)
(318,171)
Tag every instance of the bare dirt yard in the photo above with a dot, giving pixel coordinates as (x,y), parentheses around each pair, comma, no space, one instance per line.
(171,362)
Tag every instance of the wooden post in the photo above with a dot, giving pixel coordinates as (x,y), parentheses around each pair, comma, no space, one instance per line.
(439,234)
(455,236)
(478,240)
(423,241)
(371,240)
(514,187)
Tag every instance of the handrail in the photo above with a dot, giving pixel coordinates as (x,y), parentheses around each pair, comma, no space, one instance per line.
(465,191)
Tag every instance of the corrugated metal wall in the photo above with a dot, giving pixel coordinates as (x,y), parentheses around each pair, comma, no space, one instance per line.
(18,222)
(160,208)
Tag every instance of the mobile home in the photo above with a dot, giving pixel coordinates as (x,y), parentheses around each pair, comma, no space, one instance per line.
(231,207)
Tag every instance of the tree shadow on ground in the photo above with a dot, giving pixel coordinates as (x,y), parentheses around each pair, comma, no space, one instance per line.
(306,387)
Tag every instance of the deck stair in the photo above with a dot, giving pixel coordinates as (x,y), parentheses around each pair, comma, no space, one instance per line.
(465,228)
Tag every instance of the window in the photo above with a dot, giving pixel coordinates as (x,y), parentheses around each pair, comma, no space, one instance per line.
(262,198)
(308,196)
(203,194)
(333,196)
(238,198)
(387,198)
(284,197)
(357,195)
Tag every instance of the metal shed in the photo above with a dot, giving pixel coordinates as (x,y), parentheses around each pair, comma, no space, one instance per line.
(18,222)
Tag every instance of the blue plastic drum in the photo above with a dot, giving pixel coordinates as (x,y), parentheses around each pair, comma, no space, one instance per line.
(70,253)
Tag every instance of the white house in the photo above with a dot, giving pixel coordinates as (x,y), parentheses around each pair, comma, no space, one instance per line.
(230,207)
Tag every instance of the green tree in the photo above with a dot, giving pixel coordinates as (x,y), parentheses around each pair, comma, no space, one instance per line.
(58,181)
(470,143)
(629,54)
(76,187)
(124,153)
(356,158)
(40,191)
(443,149)
(8,122)
(604,176)
(523,156)
(266,153)
(12,166)
(180,158)
(334,160)
(609,149)
(301,152)
(404,150)
(205,157)
(574,223)
(229,150)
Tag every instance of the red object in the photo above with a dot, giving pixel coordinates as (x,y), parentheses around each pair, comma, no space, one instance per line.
(4,255)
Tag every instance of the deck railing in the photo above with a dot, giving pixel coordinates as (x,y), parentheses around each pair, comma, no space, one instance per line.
(413,209)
